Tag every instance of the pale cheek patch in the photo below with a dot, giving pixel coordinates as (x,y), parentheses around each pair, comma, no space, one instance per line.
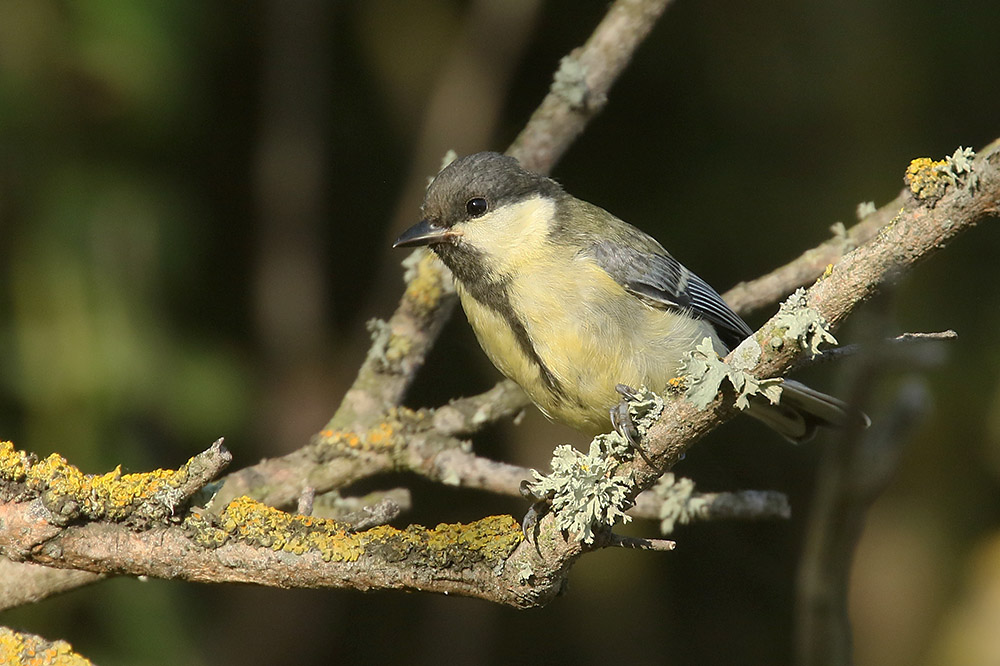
(515,236)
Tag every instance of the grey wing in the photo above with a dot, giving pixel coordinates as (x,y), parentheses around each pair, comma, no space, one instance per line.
(658,278)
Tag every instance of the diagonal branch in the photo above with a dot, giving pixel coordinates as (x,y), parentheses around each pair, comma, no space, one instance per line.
(920,229)
(582,83)
(250,542)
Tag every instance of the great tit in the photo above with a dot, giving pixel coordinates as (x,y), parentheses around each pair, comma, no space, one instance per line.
(570,302)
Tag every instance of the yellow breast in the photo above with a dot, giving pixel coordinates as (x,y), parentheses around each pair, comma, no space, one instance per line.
(590,335)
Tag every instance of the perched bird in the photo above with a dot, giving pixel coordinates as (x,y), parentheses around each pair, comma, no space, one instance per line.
(569,301)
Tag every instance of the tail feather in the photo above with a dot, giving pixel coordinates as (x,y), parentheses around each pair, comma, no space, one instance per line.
(801,410)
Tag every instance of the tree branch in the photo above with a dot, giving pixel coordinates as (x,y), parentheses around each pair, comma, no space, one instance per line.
(920,229)
(24,583)
(18,647)
(581,85)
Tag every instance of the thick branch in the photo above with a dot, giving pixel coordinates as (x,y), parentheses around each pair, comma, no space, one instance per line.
(18,647)
(266,547)
(918,231)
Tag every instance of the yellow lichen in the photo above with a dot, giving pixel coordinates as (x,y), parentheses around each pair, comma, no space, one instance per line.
(252,522)
(68,492)
(425,287)
(928,179)
(490,539)
(17,649)
(13,464)
(397,348)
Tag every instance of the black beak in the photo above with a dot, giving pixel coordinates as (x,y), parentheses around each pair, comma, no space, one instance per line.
(422,233)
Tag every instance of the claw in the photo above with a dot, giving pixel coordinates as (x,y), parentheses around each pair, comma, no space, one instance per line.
(540,505)
(626,392)
(621,419)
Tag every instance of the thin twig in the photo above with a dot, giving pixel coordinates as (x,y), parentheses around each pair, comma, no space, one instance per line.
(639,543)
(465,416)
(752,295)
(891,344)
(25,583)
(306,499)
(370,516)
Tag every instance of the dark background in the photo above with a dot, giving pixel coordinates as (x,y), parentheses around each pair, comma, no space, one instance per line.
(196,206)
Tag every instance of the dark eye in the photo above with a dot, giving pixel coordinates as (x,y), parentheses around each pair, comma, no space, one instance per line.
(476,206)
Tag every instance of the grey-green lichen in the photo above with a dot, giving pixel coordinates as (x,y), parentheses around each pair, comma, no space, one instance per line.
(796,320)
(864,209)
(705,371)
(586,490)
(678,501)
(381,334)
(570,82)
(644,407)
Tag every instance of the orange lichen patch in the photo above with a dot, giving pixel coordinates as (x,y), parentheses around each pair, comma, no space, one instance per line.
(67,492)
(381,437)
(928,179)
(340,439)
(426,286)
(17,649)
(676,384)
(490,539)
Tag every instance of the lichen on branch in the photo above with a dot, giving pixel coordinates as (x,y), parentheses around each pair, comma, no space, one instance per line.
(137,499)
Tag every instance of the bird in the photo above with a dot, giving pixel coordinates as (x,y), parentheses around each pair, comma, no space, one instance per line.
(571,303)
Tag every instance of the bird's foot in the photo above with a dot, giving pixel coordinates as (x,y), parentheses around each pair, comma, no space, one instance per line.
(540,505)
(621,418)
(624,424)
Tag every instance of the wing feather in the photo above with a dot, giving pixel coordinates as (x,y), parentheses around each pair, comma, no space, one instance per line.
(653,275)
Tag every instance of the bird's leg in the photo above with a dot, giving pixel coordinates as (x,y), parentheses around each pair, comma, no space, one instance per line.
(540,505)
(621,419)
(624,425)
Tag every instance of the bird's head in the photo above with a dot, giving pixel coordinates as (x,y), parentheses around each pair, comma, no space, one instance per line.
(485,202)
